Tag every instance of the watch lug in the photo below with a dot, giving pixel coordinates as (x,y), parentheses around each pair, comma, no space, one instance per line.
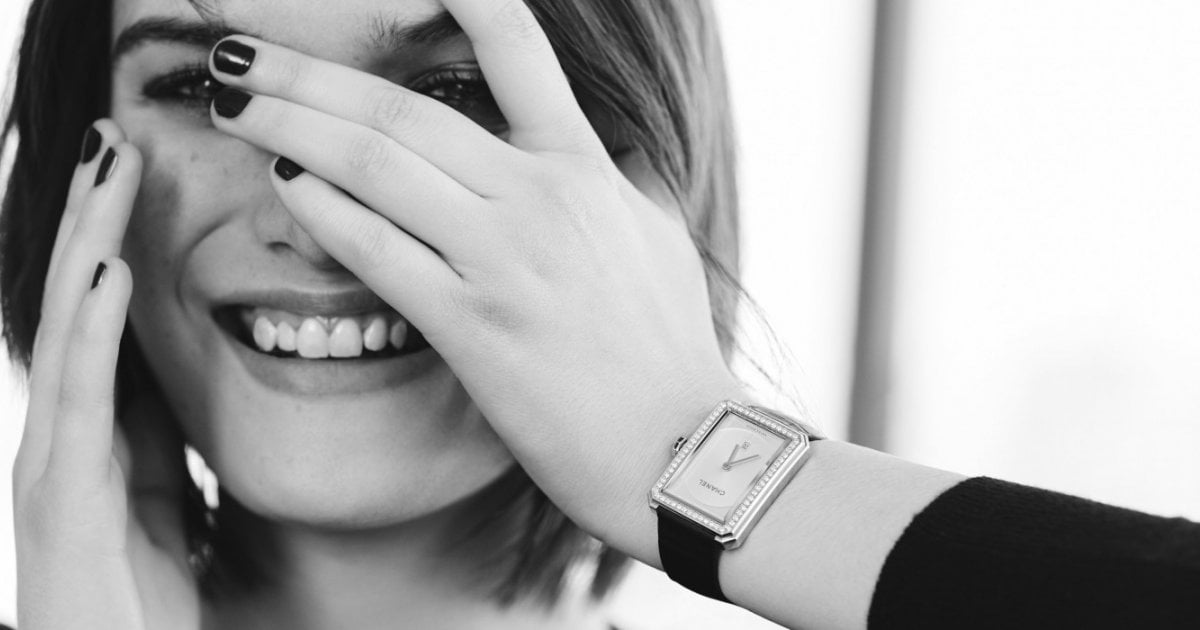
(679,442)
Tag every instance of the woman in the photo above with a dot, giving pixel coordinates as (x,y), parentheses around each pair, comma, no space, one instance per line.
(375,456)
(551,258)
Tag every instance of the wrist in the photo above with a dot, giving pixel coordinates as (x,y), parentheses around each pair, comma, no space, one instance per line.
(622,517)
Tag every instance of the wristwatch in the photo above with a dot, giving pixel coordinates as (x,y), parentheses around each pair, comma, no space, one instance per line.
(718,485)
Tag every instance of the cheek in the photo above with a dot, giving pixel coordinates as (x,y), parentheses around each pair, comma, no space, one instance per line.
(193,182)
(157,214)
(187,193)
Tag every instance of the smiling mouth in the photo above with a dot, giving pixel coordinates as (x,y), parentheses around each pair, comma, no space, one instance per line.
(286,335)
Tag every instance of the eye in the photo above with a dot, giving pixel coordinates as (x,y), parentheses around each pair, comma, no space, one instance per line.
(185,86)
(464,89)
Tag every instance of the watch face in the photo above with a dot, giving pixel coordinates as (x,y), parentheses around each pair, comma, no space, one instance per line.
(726,466)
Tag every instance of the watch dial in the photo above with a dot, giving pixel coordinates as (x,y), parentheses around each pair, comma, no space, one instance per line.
(726,466)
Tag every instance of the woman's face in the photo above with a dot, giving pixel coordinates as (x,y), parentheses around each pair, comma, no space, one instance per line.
(367,438)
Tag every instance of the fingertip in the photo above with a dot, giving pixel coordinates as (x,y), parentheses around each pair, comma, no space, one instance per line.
(98,277)
(232,56)
(287,170)
(110,130)
(108,301)
(130,155)
(98,139)
(112,275)
(121,160)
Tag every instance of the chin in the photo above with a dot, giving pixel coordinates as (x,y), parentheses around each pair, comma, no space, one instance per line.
(340,460)
(375,461)
(363,431)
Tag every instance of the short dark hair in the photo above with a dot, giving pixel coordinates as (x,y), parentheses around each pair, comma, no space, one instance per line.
(655,66)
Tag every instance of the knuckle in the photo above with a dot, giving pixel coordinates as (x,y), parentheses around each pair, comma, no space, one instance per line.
(561,189)
(387,106)
(373,248)
(517,26)
(288,74)
(76,397)
(369,154)
(548,180)
(495,310)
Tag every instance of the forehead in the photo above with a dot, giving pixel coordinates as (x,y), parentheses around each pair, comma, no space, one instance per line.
(333,27)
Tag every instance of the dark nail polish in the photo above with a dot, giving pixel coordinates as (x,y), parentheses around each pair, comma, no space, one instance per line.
(91,145)
(287,169)
(99,276)
(108,164)
(230,102)
(233,57)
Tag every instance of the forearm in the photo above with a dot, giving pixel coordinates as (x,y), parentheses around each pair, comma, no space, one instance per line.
(814,558)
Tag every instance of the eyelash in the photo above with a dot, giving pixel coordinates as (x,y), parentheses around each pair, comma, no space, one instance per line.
(462,88)
(174,86)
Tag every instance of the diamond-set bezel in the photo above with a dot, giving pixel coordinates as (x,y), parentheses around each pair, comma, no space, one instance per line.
(732,532)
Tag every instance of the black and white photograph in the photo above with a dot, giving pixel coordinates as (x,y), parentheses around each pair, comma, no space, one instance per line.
(599,314)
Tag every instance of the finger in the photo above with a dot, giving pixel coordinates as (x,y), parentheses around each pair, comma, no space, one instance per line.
(446,138)
(98,232)
(405,272)
(98,137)
(387,177)
(525,76)
(98,227)
(83,424)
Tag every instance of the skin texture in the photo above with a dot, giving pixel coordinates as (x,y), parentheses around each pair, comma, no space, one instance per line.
(566,303)
(356,488)
(207,224)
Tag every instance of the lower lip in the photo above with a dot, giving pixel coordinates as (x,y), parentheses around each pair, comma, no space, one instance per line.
(318,377)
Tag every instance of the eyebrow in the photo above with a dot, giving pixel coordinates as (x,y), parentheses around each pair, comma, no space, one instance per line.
(384,33)
(174,30)
(393,34)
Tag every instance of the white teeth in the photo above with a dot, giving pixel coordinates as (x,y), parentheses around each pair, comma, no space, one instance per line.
(324,336)
(312,342)
(346,340)
(398,334)
(375,337)
(264,334)
(286,337)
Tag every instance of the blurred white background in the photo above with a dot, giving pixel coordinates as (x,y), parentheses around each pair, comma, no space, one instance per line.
(1047,316)
(1048,300)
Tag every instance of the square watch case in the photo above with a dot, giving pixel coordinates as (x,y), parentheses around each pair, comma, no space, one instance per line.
(731,469)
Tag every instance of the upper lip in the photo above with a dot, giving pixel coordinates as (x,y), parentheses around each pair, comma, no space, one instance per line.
(315,303)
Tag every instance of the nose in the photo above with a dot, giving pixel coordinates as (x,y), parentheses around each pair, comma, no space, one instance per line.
(279,231)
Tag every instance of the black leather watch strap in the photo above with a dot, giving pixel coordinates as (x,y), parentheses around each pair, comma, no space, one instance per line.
(689,554)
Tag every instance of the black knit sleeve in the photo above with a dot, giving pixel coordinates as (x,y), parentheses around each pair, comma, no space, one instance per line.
(993,554)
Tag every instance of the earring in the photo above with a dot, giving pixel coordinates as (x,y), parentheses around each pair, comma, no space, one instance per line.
(203,499)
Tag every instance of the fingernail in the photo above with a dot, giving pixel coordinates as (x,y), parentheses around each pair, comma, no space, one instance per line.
(91,145)
(99,276)
(233,57)
(230,102)
(108,164)
(287,169)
